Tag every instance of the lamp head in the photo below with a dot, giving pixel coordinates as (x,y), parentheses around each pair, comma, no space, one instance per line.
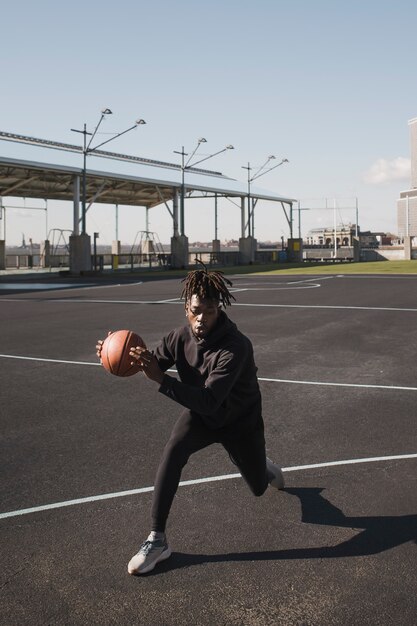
(106,112)
(230,147)
(271,156)
(139,122)
(202,140)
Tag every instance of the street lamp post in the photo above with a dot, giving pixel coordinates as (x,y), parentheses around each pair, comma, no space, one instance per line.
(299,217)
(87,149)
(186,165)
(260,172)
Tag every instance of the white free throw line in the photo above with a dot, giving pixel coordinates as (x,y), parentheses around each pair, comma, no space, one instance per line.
(184,483)
(267,380)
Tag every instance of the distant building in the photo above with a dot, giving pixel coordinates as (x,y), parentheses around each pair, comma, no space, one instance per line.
(325,236)
(345,236)
(407,204)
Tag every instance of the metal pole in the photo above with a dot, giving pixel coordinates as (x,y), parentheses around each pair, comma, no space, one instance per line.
(46,219)
(117,222)
(182,226)
(147,222)
(76,226)
(215,216)
(253,217)
(84,201)
(249,213)
(242,218)
(175,213)
(299,220)
(357,219)
(335,227)
(96,236)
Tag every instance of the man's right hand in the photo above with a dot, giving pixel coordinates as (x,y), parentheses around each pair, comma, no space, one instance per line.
(148,362)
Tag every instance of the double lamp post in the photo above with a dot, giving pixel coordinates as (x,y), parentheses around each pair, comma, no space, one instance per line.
(261,171)
(186,165)
(87,149)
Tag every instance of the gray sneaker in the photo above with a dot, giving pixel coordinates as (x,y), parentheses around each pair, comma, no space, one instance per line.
(150,553)
(275,475)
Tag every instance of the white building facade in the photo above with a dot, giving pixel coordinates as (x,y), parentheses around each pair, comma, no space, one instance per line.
(407,203)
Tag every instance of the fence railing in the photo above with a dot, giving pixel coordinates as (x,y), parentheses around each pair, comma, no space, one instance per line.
(128,261)
(223,258)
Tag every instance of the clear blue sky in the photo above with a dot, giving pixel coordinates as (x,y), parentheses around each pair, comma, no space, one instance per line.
(330,85)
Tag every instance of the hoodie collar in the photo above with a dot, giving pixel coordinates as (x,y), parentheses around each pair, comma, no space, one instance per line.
(223,326)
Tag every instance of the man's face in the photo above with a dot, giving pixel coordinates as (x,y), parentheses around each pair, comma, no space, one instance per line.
(202,315)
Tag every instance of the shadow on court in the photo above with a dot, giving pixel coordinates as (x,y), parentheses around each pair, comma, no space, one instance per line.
(379,533)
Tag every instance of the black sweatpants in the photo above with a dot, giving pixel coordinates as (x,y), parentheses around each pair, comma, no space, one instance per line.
(190,435)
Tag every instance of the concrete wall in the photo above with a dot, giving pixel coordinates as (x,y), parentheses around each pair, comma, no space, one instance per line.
(387,253)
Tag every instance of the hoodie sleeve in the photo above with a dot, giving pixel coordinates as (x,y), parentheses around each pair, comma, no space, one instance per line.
(209,401)
(165,352)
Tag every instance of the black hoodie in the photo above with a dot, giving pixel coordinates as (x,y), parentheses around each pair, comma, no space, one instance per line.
(217,376)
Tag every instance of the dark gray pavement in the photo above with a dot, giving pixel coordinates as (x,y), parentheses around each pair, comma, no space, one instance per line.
(337,547)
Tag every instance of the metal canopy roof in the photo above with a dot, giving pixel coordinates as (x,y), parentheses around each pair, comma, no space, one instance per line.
(35,180)
(118,179)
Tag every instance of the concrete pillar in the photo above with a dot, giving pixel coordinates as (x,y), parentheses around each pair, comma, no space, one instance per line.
(179,252)
(80,253)
(247,249)
(407,248)
(295,250)
(215,245)
(45,252)
(356,250)
(2,254)
(116,247)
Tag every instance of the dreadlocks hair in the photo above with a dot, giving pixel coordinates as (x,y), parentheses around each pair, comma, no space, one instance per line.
(207,286)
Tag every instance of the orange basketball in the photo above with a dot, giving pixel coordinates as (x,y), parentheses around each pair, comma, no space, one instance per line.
(115,352)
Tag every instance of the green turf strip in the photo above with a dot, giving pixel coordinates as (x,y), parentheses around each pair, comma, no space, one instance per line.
(370,267)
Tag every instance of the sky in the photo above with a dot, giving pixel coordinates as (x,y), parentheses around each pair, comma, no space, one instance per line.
(328,85)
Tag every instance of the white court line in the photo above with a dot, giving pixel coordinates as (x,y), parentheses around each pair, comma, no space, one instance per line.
(267,380)
(94,300)
(284,287)
(326,306)
(34,358)
(184,483)
(59,286)
(329,384)
(315,279)
(235,304)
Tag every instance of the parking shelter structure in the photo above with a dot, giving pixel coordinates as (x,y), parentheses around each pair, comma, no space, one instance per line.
(27,170)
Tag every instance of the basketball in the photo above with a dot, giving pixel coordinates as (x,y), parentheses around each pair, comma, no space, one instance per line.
(115,352)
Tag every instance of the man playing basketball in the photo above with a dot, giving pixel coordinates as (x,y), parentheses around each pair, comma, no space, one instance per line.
(219,389)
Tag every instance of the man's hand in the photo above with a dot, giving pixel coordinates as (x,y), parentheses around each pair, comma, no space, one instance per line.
(148,363)
(99,345)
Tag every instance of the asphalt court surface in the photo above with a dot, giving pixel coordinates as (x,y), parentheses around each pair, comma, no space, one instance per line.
(336,363)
